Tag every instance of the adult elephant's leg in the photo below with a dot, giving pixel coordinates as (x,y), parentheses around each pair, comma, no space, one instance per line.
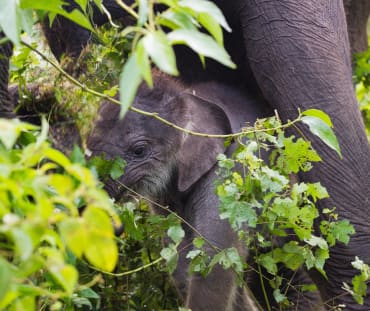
(357,14)
(66,37)
(299,53)
(5,102)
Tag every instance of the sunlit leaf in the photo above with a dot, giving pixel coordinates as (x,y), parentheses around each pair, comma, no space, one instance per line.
(129,82)
(202,44)
(207,7)
(159,49)
(321,129)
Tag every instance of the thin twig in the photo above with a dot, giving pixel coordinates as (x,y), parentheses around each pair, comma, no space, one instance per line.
(153,114)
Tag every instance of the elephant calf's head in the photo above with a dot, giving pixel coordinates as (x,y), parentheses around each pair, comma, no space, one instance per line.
(160,158)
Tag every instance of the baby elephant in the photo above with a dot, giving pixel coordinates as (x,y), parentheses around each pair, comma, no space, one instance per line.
(177,169)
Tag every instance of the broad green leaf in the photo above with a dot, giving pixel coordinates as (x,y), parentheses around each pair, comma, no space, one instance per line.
(268,263)
(116,170)
(26,18)
(98,4)
(30,266)
(73,232)
(317,241)
(25,303)
(171,256)
(143,62)
(66,275)
(212,26)
(159,49)
(9,20)
(11,129)
(176,233)
(143,12)
(198,242)
(342,230)
(207,7)
(23,243)
(101,251)
(202,44)
(177,19)
(82,4)
(129,82)
(359,288)
(98,221)
(6,277)
(56,7)
(296,156)
(58,157)
(279,296)
(323,131)
(318,114)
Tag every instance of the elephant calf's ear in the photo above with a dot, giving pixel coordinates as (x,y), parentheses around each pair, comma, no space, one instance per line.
(197,155)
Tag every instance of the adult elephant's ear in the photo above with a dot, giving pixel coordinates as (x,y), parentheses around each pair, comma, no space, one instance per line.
(197,155)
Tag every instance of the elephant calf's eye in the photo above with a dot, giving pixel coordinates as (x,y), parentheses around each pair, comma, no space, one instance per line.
(140,151)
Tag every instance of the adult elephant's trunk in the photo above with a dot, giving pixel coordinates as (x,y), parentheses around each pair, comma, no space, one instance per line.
(5,103)
(299,54)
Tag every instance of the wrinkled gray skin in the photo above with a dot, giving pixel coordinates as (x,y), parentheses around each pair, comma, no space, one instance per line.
(357,15)
(178,170)
(5,102)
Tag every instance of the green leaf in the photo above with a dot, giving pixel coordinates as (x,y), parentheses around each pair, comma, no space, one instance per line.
(212,26)
(198,242)
(9,20)
(11,129)
(129,82)
(117,168)
(296,156)
(77,156)
(342,230)
(6,277)
(23,243)
(74,234)
(202,44)
(279,296)
(318,114)
(101,249)
(171,256)
(321,129)
(317,241)
(143,62)
(207,7)
(176,233)
(177,19)
(27,303)
(159,48)
(66,275)
(55,7)
(143,12)
(268,263)
(359,288)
